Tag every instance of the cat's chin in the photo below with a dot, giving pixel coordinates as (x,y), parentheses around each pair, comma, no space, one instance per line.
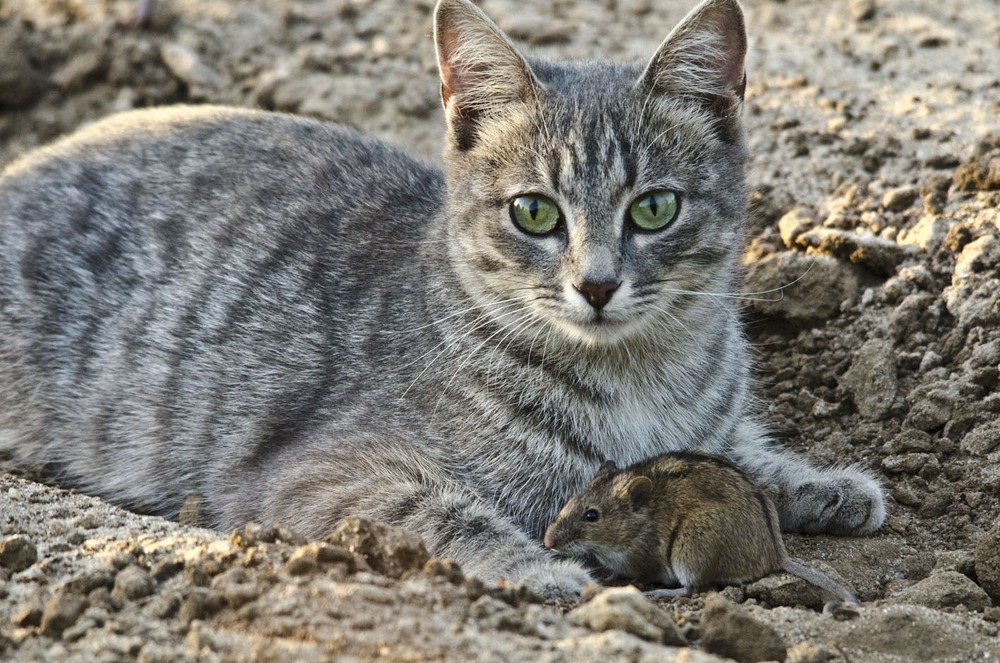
(600,332)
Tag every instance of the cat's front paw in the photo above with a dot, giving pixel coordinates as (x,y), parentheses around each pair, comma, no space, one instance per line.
(842,502)
(554,579)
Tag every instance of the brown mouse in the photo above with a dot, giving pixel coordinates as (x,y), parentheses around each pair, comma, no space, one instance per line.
(684,518)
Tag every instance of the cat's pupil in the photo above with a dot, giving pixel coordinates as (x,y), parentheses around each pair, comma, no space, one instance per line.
(652,205)
(533,210)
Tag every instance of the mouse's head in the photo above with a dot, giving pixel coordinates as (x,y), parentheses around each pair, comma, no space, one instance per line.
(602,521)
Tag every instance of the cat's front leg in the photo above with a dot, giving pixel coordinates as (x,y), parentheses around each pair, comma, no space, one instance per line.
(811,499)
(392,483)
(493,548)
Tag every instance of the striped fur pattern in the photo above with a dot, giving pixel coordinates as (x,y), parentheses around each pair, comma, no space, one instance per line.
(298,323)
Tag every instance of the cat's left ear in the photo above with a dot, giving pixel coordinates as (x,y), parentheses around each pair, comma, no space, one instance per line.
(703,58)
(482,73)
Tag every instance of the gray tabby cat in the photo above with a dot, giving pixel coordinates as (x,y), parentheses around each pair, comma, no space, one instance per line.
(300,323)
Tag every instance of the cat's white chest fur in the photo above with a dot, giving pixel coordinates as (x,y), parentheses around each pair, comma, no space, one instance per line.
(638,418)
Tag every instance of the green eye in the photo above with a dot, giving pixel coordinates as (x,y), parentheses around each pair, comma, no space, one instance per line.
(654,210)
(534,214)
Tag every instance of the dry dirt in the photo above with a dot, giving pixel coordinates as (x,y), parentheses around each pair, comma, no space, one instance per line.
(875,193)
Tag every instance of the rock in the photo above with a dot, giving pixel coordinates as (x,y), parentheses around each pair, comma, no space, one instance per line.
(29,613)
(626,609)
(198,604)
(188,67)
(728,630)
(252,534)
(808,652)
(236,587)
(388,550)
(789,590)
(976,256)
(982,439)
(313,557)
(61,611)
(986,354)
(980,175)
(801,288)
(794,223)
(525,27)
(17,553)
(871,379)
(960,561)
(928,234)
(914,314)
(910,463)
(988,561)
(133,582)
(935,193)
(80,70)
(932,406)
(947,589)
(444,568)
(900,198)
(18,85)
(87,581)
(877,254)
(909,440)
(861,10)
(908,633)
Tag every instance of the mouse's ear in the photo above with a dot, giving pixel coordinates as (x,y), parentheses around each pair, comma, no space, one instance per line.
(638,490)
(608,467)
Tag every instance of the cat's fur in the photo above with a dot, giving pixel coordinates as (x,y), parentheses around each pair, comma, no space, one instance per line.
(298,323)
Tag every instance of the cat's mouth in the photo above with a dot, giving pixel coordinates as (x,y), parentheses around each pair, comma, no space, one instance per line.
(600,328)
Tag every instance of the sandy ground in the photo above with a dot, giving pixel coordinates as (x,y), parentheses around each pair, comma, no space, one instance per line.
(875,192)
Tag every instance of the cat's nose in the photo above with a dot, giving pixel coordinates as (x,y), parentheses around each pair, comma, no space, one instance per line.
(598,294)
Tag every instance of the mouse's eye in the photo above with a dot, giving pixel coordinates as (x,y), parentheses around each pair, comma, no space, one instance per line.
(592,515)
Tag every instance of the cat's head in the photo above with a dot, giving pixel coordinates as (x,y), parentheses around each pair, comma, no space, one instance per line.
(592,196)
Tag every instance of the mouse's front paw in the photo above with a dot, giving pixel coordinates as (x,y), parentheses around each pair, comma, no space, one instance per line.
(842,501)
(553,579)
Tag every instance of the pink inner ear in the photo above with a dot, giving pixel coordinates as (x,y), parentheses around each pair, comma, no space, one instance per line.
(446,50)
(731,66)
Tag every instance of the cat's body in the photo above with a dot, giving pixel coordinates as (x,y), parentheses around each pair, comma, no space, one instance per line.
(298,323)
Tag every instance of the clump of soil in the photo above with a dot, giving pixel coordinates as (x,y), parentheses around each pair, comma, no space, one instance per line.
(872,301)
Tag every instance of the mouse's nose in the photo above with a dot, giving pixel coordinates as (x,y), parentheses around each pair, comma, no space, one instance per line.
(550,540)
(597,294)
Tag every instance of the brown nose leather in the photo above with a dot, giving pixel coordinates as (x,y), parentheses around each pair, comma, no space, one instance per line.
(598,294)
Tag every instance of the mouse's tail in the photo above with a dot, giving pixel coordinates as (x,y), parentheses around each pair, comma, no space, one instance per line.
(822,581)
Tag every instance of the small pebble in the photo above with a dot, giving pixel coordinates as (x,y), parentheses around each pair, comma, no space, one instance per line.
(900,198)
(61,611)
(133,582)
(728,630)
(17,553)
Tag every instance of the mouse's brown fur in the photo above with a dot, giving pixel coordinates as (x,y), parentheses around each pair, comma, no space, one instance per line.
(684,518)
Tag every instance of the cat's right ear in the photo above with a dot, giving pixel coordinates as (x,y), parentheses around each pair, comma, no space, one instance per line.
(482,73)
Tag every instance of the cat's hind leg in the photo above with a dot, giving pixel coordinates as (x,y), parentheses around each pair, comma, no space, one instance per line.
(22,417)
(833,500)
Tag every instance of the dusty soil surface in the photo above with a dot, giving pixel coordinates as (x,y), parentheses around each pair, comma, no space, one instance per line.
(872,297)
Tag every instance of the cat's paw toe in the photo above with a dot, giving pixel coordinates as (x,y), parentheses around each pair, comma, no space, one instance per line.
(554,579)
(844,502)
